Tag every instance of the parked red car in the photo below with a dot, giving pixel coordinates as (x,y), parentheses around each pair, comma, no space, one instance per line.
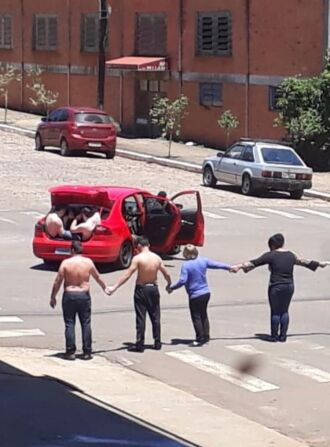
(124,212)
(78,129)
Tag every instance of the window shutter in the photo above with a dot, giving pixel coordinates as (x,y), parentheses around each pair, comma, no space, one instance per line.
(206,34)
(151,35)
(159,32)
(7,32)
(82,32)
(223,34)
(214,33)
(91,32)
(52,33)
(40,33)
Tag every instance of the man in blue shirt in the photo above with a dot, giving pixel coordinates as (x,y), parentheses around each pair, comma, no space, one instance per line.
(193,277)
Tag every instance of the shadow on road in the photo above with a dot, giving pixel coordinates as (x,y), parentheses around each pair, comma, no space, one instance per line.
(45,412)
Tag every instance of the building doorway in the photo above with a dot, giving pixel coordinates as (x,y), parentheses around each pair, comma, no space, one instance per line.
(145,91)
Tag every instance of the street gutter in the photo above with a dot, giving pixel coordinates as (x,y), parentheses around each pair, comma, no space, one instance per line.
(185,166)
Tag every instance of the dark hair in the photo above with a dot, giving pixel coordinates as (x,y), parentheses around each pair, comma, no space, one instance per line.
(143,241)
(162,194)
(76,247)
(88,211)
(276,241)
(59,208)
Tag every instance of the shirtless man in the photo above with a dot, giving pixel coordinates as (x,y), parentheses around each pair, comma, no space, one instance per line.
(54,223)
(146,294)
(90,219)
(76,272)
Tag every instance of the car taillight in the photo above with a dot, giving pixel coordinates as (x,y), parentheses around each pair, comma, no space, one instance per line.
(270,174)
(38,229)
(100,230)
(304,176)
(277,174)
(266,174)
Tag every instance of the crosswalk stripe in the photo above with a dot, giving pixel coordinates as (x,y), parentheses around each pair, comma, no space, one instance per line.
(292,365)
(20,333)
(10,320)
(316,213)
(225,372)
(3,219)
(213,216)
(243,213)
(281,213)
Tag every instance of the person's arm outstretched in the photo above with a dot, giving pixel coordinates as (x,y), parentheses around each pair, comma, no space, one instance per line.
(125,277)
(181,281)
(310,264)
(217,265)
(250,265)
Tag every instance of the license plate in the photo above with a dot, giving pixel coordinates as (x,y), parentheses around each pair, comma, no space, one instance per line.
(288,175)
(62,251)
(94,144)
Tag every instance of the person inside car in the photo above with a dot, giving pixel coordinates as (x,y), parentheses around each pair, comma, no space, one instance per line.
(54,223)
(86,222)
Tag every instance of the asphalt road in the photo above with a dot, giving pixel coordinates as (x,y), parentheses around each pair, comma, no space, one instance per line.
(289,382)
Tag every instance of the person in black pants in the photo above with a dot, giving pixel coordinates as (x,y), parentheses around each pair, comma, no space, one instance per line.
(281,264)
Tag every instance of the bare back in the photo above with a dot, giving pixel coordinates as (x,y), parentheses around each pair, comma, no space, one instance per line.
(148,265)
(54,225)
(77,271)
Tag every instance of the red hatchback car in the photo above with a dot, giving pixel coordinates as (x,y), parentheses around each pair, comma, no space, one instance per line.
(124,212)
(78,129)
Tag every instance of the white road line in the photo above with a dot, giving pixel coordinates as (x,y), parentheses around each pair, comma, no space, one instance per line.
(3,219)
(35,214)
(10,320)
(292,365)
(213,216)
(316,213)
(243,213)
(225,372)
(281,213)
(20,333)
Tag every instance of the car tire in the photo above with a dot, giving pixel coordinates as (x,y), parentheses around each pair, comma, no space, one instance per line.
(208,177)
(297,194)
(38,143)
(174,250)
(246,187)
(110,155)
(65,151)
(125,255)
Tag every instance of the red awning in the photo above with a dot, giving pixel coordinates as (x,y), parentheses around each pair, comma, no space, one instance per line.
(138,63)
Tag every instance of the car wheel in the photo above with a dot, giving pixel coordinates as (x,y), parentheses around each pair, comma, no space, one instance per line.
(125,255)
(174,250)
(65,151)
(208,177)
(110,155)
(38,143)
(246,186)
(297,194)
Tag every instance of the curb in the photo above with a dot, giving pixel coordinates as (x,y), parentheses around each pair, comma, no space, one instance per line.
(190,167)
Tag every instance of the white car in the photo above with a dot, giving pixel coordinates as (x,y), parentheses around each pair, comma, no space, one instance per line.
(259,166)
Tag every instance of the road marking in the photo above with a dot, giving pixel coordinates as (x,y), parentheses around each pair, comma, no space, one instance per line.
(243,213)
(225,372)
(316,213)
(3,219)
(292,365)
(35,214)
(213,216)
(20,333)
(281,213)
(10,320)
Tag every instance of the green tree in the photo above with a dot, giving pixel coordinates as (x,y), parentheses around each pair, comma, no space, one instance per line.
(168,115)
(41,95)
(8,74)
(228,121)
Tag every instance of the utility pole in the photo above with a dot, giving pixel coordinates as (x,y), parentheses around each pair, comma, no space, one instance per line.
(104,12)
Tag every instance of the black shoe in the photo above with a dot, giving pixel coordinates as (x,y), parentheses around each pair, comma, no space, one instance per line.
(197,343)
(158,345)
(86,356)
(136,348)
(69,356)
(282,338)
(207,339)
(273,338)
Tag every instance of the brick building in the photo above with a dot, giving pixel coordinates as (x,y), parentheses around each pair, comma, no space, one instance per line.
(222,54)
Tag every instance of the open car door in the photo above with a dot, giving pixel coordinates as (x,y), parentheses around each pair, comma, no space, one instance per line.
(189,205)
(162,223)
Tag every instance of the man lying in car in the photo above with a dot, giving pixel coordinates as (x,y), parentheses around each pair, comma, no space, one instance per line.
(56,223)
(85,223)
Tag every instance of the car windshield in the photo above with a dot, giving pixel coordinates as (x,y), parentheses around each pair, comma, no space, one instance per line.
(280,156)
(94,118)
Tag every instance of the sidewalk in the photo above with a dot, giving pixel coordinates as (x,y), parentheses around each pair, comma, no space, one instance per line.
(116,388)
(155,151)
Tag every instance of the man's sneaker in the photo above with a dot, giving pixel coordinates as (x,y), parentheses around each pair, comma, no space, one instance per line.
(69,356)
(158,345)
(136,348)
(86,356)
(196,343)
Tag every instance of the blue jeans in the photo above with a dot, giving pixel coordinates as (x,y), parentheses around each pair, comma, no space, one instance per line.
(74,303)
(279,300)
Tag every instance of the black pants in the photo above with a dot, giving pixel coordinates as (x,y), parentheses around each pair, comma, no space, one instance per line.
(279,300)
(146,299)
(198,312)
(74,303)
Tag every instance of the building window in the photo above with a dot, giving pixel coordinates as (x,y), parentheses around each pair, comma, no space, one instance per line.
(151,34)
(89,33)
(152,85)
(214,33)
(274,94)
(210,94)
(5,32)
(45,32)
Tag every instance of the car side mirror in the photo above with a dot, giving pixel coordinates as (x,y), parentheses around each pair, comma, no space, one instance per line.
(44,119)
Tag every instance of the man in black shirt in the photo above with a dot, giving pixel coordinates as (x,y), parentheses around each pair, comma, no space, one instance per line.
(281,285)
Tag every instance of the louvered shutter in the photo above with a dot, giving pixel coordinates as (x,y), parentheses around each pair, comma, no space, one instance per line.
(223,34)
(52,33)
(151,35)
(214,33)
(41,32)
(7,32)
